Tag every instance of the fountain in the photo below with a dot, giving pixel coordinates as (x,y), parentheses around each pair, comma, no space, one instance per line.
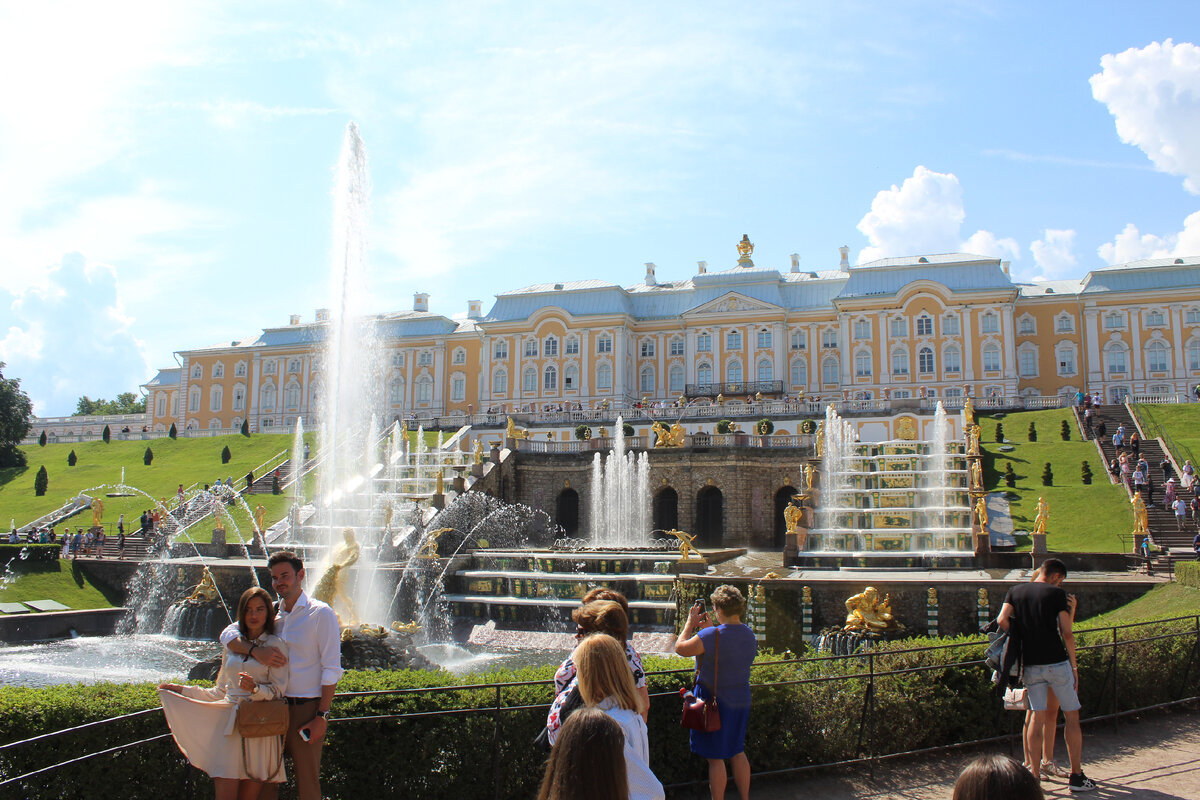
(620,512)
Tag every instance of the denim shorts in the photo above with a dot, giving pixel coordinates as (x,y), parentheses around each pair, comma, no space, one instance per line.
(1041,678)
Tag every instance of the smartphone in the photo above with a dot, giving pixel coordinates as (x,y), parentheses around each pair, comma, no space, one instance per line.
(305,734)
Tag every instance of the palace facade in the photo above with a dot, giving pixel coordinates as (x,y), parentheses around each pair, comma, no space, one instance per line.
(938,325)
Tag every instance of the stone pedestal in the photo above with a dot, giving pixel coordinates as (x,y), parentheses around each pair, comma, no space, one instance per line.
(438,501)
(459,483)
(494,455)
(218,537)
(477,470)
(1039,544)
(983,543)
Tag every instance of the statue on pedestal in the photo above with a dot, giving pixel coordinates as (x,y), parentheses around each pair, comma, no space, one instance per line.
(981,512)
(793,514)
(97,512)
(1043,514)
(205,591)
(1141,518)
(260,517)
(332,585)
(687,547)
(867,612)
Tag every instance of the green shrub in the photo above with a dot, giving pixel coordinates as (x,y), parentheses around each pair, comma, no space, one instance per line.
(627,429)
(1188,573)
(34,554)
(583,433)
(1010,477)
(225,455)
(1032,432)
(764,427)
(1000,432)
(41,482)
(1065,432)
(1047,475)
(174,432)
(1085,474)
(148,456)
(245,427)
(72,459)
(42,439)
(724,426)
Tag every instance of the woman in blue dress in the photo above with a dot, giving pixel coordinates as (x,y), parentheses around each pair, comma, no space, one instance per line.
(732,644)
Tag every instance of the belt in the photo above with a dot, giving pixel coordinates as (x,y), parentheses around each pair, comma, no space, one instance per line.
(295,701)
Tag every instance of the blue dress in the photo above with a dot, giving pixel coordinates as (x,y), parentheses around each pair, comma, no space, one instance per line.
(738,648)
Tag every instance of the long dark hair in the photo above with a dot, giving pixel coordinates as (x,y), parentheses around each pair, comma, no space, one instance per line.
(588,760)
(247,596)
(996,777)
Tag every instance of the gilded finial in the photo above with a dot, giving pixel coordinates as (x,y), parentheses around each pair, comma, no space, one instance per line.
(745,247)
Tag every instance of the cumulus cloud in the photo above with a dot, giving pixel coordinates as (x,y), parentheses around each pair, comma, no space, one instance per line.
(1054,254)
(1154,95)
(71,336)
(925,215)
(1131,244)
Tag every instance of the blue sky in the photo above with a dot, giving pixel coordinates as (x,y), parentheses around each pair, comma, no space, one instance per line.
(166,168)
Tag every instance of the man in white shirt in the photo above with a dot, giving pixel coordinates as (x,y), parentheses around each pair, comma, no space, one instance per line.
(310,628)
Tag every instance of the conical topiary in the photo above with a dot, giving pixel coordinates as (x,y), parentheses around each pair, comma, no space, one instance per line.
(1010,477)
(225,455)
(1066,431)
(1032,432)
(41,481)
(106,435)
(174,432)
(1000,432)
(42,439)
(72,459)
(1085,473)
(147,456)
(1047,476)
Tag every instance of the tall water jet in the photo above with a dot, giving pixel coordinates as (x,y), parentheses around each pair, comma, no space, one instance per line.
(298,459)
(620,488)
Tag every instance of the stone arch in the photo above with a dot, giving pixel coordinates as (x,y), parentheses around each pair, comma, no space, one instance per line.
(566,511)
(665,510)
(783,497)
(710,517)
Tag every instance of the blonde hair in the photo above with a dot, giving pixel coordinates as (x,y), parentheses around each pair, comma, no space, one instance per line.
(604,672)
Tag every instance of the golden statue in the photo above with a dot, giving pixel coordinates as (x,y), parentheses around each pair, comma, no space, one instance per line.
(408,628)
(820,438)
(687,546)
(867,612)
(97,512)
(981,598)
(430,549)
(668,436)
(478,451)
(720,399)
(219,514)
(976,474)
(1043,514)
(806,595)
(205,591)
(810,472)
(969,411)
(332,585)
(745,247)
(511,431)
(1141,519)
(931,598)
(793,514)
(260,517)
(441,484)
(972,440)
(981,513)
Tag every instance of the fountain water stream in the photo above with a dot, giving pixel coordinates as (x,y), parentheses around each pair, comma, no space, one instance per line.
(620,513)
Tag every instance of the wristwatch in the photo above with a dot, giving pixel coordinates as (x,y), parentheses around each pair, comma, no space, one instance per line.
(323,715)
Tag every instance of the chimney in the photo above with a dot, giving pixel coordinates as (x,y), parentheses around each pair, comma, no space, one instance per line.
(322,315)
(420,301)
(1004,266)
(703,265)
(844,264)
(795,262)
(650,280)
(294,319)
(474,309)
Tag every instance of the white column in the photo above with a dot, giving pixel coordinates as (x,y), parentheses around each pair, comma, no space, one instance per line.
(968,346)
(484,392)
(251,394)
(885,352)
(620,359)
(1135,335)
(1090,332)
(814,358)
(585,368)
(661,377)
(1008,335)
(778,338)
(845,358)
(1178,371)
(689,356)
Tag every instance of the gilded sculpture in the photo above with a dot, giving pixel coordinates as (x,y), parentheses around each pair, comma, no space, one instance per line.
(511,431)
(810,472)
(867,612)
(205,591)
(976,474)
(408,628)
(931,597)
(332,585)
(687,546)
(1141,519)
(981,512)
(260,517)
(972,440)
(429,549)
(981,598)
(745,248)
(97,512)
(478,452)
(1043,515)
(793,514)
(668,436)
(969,411)
(820,438)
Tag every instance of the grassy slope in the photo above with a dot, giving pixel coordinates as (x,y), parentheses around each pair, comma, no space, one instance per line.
(1181,422)
(1163,601)
(58,581)
(1082,518)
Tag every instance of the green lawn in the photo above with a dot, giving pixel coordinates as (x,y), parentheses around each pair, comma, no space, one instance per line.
(60,581)
(1083,518)
(1180,422)
(1163,601)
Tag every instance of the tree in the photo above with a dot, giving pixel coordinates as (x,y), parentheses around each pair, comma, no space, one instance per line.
(583,432)
(1000,432)
(41,482)
(106,435)
(1010,477)
(174,432)
(627,429)
(724,426)
(764,427)
(72,459)
(126,403)
(1065,432)
(147,456)
(245,427)
(15,410)
(226,455)
(1047,476)
(1032,432)
(42,439)
(1085,473)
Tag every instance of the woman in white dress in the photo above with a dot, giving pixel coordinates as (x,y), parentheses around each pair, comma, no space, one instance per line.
(204,721)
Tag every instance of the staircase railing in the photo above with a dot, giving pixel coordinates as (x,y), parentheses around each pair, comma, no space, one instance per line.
(1153,426)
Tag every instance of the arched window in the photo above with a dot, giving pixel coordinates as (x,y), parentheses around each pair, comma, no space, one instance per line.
(766,371)
(925,360)
(764,339)
(239,397)
(293,365)
(268,368)
(219,370)
(571,377)
(950,326)
(424,387)
(1155,318)
(989,323)
(500,382)
(266,397)
(733,372)
(799,372)
(550,378)
(704,343)
(1157,357)
(862,329)
(1117,360)
(291,396)
(458,387)
(675,379)
(899,362)
(396,391)
(604,377)
(676,348)
(216,398)
(239,369)
(646,380)
(1193,316)
(1065,355)
(197,372)
(529,380)
(952,359)
(799,339)
(862,364)
(1193,351)
(1026,326)
(647,348)
(898,328)
(991,358)
(572,346)
(460,356)
(704,373)
(194,399)
(500,350)
(829,370)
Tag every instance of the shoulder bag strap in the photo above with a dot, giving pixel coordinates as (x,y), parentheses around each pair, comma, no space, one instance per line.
(716,661)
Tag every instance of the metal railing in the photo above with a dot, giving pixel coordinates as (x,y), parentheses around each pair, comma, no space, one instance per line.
(867,669)
(1147,420)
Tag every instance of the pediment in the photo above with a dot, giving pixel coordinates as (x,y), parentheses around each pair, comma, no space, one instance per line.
(732,303)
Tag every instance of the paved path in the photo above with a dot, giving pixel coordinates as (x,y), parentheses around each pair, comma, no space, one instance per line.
(1156,757)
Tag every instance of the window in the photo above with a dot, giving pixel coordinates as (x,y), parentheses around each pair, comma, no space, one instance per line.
(529,380)
(458,389)
(572,346)
(1027,366)
(901,394)
(1117,361)
(216,398)
(925,361)
(898,327)
(646,380)
(1155,318)
(798,372)
(396,391)
(647,348)
(160,405)
(675,380)
(766,371)
(950,325)
(829,338)
(174,405)
(1156,357)
(239,371)
(500,382)
(830,370)
(550,347)
(733,372)
(1026,326)
(924,325)
(550,379)
(862,329)
(197,372)
(214,424)
(219,370)
(604,344)
(531,348)
(989,323)
(424,358)
(952,359)
(424,386)
(571,377)
(676,346)
(194,399)
(733,340)
(293,365)
(1114,320)
(764,339)
(1193,351)
(799,339)
(266,423)
(460,356)
(1066,360)
(268,368)
(291,396)
(500,350)
(704,373)
(704,343)
(1064,324)
(899,362)
(862,364)
(991,358)
(266,397)
(397,359)
(952,394)
(1193,316)
(604,377)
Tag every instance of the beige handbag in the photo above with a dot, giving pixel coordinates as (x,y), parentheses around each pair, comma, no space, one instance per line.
(258,719)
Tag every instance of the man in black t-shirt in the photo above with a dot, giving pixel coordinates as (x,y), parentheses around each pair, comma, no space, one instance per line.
(1039,614)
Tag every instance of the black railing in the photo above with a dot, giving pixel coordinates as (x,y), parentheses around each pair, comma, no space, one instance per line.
(733,388)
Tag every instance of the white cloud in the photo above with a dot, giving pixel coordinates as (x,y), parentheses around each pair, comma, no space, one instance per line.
(72,336)
(925,215)
(1154,94)
(1132,245)
(1054,254)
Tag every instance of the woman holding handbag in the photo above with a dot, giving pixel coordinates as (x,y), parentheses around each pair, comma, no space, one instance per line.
(208,724)
(723,654)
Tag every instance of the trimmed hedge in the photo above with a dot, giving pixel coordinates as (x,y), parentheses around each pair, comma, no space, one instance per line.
(38,553)
(1188,573)
(805,712)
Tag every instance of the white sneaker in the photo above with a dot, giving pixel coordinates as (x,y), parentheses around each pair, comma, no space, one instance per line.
(1081,783)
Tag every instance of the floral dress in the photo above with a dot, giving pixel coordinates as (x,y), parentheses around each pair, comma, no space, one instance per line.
(564,682)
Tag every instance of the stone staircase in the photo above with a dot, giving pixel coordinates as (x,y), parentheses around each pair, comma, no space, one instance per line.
(264,483)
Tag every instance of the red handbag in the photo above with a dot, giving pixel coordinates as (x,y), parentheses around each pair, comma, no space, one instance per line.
(703,715)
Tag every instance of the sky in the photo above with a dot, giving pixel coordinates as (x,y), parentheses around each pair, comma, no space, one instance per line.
(166,169)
